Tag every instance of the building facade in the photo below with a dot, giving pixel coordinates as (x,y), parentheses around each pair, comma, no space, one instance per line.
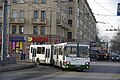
(82,21)
(49,22)
(36,22)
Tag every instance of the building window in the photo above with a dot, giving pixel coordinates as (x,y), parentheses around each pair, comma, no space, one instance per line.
(1,13)
(36,13)
(70,22)
(36,1)
(14,1)
(43,15)
(0,29)
(21,14)
(35,29)
(70,0)
(42,30)
(70,10)
(21,1)
(69,35)
(78,1)
(14,14)
(43,1)
(13,29)
(78,11)
(21,28)
(78,23)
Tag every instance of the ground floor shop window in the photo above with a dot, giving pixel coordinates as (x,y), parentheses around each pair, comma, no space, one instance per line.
(17,46)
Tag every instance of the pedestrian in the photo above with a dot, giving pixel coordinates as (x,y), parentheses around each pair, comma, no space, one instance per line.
(24,55)
(21,55)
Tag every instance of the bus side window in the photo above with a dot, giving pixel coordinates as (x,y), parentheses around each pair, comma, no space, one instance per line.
(38,50)
(60,50)
(55,50)
(31,51)
(43,50)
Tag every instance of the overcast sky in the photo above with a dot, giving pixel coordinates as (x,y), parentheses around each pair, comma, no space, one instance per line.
(105,12)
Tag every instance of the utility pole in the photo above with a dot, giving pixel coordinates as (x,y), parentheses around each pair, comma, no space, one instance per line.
(50,21)
(50,25)
(60,10)
(4,31)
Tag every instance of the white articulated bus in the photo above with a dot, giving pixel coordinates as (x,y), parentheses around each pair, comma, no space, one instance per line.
(71,55)
(41,53)
(65,55)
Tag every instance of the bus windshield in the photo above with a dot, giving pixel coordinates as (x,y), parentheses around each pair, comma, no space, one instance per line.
(71,51)
(83,51)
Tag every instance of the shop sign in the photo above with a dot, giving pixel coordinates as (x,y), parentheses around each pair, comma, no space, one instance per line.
(40,39)
(29,39)
(17,38)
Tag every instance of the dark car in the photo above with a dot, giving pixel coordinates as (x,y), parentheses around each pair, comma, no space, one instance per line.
(115,58)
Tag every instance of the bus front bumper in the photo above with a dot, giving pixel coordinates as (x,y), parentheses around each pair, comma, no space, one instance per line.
(77,66)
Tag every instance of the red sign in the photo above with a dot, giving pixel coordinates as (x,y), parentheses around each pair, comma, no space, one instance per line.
(40,39)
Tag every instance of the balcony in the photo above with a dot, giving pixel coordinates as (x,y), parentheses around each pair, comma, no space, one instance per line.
(39,21)
(67,27)
(62,24)
(1,20)
(17,20)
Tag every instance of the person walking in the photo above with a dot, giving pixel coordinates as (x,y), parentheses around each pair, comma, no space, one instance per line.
(21,55)
(24,55)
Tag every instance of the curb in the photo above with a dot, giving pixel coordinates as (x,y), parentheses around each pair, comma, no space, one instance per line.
(18,67)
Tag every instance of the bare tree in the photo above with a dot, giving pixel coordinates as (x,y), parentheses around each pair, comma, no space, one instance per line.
(116,43)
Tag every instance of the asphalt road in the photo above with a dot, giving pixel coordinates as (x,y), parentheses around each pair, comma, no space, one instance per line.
(99,71)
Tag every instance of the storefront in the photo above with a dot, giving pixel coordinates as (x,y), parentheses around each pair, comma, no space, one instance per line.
(22,42)
(17,43)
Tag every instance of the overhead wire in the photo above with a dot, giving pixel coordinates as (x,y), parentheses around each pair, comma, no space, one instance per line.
(30,4)
(103,7)
(104,14)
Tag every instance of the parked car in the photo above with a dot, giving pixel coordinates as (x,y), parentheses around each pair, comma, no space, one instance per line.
(115,58)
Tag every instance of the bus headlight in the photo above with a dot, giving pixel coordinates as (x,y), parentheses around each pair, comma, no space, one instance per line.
(117,58)
(87,63)
(66,62)
(112,58)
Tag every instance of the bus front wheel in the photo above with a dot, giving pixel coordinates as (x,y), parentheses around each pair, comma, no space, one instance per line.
(37,61)
(81,70)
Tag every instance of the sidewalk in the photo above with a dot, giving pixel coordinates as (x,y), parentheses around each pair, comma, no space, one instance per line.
(20,65)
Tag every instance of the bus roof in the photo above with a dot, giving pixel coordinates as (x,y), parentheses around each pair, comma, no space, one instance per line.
(71,44)
(44,45)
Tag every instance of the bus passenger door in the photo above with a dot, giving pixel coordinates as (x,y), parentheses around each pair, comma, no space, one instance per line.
(34,54)
(47,56)
(41,54)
